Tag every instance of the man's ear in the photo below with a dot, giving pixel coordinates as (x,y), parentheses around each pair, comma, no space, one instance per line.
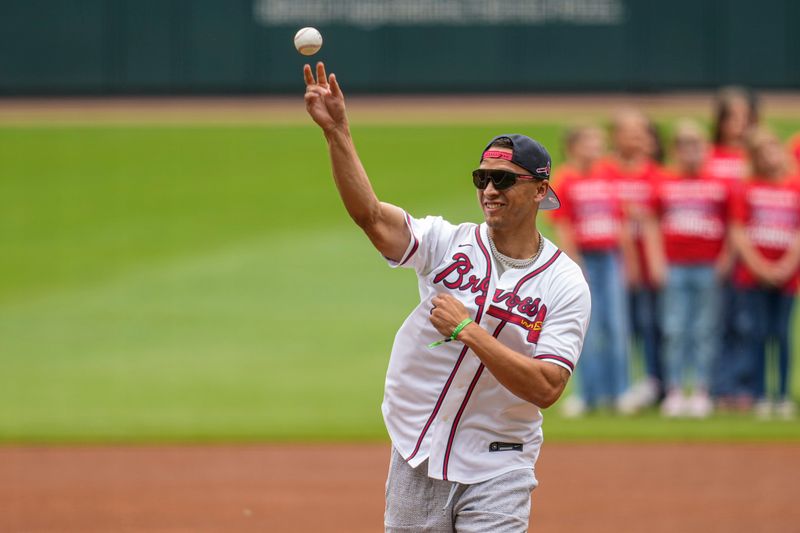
(543,186)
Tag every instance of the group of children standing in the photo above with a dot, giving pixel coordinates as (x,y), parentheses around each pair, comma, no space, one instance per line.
(697,262)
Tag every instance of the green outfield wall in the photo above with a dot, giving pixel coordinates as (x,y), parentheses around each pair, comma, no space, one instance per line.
(245,46)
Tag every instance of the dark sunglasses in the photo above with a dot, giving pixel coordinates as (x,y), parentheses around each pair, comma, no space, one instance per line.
(501,179)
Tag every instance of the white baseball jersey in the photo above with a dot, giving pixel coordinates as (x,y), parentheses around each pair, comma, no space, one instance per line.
(441,403)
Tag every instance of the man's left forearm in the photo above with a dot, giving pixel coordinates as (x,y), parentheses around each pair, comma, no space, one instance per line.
(538,382)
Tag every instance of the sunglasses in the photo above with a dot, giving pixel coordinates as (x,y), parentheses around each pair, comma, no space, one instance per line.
(501,179)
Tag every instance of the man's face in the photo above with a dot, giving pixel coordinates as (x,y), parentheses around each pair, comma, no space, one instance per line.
(512,207)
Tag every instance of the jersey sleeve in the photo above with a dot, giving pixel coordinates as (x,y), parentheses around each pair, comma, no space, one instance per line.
(567,320)
(430,239)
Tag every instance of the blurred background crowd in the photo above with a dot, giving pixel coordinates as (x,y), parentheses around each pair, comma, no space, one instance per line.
(691,246)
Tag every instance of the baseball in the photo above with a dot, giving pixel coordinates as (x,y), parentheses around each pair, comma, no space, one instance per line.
(308,41)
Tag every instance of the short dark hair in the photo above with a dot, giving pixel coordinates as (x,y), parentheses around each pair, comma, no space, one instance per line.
(502,142)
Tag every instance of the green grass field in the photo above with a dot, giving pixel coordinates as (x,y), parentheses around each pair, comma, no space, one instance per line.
(203,283)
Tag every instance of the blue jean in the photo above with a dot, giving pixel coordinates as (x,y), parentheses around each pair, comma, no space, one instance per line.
(603,368)
(644,321)
(762,315)
(724,371)
(690,324)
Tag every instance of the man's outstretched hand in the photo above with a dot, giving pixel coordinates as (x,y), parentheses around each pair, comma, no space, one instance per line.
(324,99)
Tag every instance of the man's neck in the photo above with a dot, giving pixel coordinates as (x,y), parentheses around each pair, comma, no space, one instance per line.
(521,244)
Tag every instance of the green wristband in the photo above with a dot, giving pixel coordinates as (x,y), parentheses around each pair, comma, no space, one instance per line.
(455,333)
(438,343)
(459,327)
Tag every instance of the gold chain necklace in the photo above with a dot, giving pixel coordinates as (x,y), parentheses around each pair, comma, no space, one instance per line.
(512,262)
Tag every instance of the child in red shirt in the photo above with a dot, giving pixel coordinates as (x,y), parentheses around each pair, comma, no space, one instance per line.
(765,231)
(692,209)
(736,113)
(635,172)
(589,226)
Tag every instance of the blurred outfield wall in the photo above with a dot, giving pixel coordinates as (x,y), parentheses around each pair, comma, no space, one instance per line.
(58,47)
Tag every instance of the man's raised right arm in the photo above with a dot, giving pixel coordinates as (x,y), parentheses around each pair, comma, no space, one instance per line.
(383,223)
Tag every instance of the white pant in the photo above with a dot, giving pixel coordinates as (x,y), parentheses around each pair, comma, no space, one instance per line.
(416,502)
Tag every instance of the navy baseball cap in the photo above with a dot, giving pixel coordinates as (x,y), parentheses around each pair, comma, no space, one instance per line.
(531,156)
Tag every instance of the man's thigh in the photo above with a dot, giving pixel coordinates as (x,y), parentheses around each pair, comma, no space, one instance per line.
(500,505)
(415,502)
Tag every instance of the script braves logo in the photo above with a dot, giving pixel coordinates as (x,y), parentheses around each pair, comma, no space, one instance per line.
(453,274)
(454,277)
(527,305)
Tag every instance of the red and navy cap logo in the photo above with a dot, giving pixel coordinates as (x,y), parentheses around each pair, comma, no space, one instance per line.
(545,170)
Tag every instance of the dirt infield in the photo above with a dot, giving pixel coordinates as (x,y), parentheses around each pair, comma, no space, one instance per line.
(339,488)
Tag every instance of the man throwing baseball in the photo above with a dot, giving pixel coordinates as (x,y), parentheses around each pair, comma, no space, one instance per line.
(495,337)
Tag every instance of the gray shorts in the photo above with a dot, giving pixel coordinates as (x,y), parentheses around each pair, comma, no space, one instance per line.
(415,502)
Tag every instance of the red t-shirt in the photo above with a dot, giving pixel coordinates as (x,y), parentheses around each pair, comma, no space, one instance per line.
(726,162)
(634,186)
(589,203)
(770,213)
(693,211)
(635,189)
